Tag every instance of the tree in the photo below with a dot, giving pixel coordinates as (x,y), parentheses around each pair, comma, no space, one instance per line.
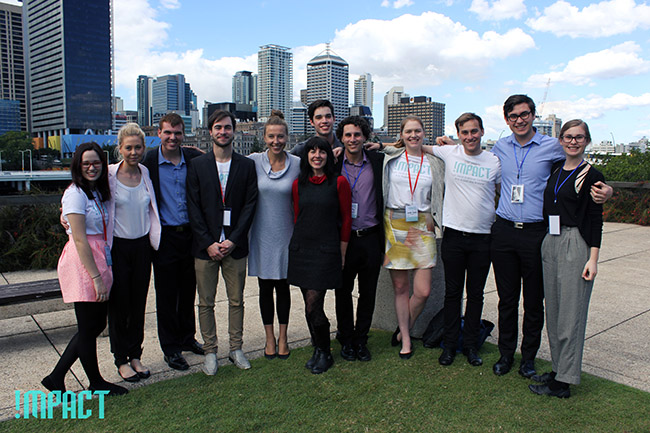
(634,167)
(11,143)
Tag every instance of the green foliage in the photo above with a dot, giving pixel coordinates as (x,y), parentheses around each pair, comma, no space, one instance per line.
(31,237)
(634,167)
(384,395)
(11,143)
(628,206)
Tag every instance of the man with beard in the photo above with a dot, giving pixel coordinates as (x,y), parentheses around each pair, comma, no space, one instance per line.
(221,199)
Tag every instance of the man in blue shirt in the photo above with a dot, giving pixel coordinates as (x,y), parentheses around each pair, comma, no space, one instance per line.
(526,158)
(173,263)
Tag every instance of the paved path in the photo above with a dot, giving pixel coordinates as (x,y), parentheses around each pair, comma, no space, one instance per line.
(617,347)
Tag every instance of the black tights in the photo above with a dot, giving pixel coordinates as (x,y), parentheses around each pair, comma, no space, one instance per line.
(283,301)
(319,325)
(91,321)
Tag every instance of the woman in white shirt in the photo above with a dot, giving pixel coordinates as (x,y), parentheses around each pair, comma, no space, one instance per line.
(84,267)
(135,227)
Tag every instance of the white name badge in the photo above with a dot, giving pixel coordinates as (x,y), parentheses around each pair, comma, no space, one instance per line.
(554,224)
(411,211)
(226,217)
(355,210)
(517,194)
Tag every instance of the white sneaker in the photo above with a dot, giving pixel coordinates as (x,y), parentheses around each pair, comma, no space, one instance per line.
(210,365)
(239,359)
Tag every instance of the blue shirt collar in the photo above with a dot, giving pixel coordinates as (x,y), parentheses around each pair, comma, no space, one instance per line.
(162,160)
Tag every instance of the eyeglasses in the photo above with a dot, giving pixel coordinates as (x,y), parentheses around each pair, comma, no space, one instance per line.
(523,116)
(96,164)
(578,138)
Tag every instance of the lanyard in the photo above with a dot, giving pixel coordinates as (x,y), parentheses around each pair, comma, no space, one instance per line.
(519,166)
(358,174)
(408,170)
(101,212)
(557,188)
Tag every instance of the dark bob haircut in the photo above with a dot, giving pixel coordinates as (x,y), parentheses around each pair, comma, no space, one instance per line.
(305,168)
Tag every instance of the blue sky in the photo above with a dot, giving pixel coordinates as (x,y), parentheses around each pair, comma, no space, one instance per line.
(468,54)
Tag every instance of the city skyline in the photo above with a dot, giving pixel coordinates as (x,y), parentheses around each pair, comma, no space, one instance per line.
(469,55)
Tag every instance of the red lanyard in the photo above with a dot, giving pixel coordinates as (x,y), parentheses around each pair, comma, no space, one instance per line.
(408,170)
(101,211)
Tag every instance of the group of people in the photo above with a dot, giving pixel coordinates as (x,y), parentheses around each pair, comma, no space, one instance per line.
(332,210)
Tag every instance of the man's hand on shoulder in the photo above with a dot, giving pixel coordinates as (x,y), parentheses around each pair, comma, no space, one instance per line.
(601,192)
(444,141)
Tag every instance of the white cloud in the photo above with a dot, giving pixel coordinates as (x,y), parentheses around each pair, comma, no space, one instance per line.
(416,51)
(397,4)
(499,10)
(618,61)
(595,106)
(602,19)
(170,4)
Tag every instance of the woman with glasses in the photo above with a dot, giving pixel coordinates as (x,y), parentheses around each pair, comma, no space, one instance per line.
(569,257)
(84,267)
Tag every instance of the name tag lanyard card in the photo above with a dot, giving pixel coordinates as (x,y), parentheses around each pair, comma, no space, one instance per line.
(355,206)
(517,190)
(107,250)
(227,213)
(411,210)
(554,220)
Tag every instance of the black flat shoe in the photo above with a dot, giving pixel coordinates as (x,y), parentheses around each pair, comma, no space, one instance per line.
(143,374)
(131,379)
(270,355)
(112,389)
(393,340)
(544,389)
(406,355)
(48,383)
(285,356)
(447,357)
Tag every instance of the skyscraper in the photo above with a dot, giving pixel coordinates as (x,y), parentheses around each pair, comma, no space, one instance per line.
(145,115)
(274,80)
(392,97)
(168,94)
(12,68)
(327,78)
(244,88)
(363,90)
(68,53)
(431,113)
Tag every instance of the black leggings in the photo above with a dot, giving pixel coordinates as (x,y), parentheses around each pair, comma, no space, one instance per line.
(319,325)
(91,321)
(283,304)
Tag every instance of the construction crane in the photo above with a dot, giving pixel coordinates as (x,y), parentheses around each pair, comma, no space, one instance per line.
(541,106)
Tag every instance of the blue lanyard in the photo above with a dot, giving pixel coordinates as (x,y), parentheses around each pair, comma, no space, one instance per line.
(358,174)
(519,166)
(557,188)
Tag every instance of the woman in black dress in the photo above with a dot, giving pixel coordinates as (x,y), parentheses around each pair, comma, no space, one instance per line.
(323,220)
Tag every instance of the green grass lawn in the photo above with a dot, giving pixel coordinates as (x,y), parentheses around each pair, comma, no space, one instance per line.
(384,395)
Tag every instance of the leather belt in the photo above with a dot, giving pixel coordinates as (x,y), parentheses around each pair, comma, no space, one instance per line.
(365,232)
(182,228)
(521,226)
(466,234)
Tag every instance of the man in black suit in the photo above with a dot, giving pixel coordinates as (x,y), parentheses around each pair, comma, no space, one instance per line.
(221,196)
(173,264)
(363,169)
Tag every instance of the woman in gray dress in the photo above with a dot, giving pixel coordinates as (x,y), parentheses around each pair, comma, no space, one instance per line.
(271,231)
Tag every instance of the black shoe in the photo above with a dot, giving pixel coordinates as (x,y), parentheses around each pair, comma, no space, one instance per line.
(447,356)
(48,383)
(194,347)
(134,378)
(112,389)
(393,340)
(502,366)
(407,355)
(176,361)
(310,364)
(527,368)
(323,362)
(544,378)
(544,389)
(363,354)
(348,352)
(472,357)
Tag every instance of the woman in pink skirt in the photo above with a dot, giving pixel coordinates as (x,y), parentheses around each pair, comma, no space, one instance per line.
(84,267)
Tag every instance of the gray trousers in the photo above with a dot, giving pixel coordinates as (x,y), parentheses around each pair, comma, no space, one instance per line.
(567,300)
